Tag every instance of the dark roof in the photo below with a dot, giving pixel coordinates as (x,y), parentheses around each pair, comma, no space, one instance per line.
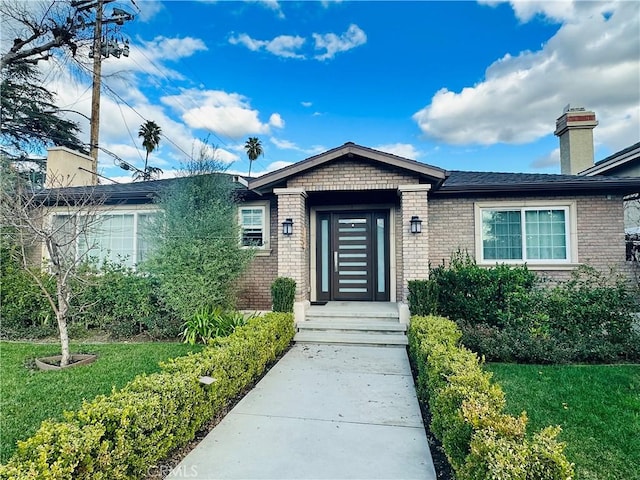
(125,193)
(616,162)
(460,182)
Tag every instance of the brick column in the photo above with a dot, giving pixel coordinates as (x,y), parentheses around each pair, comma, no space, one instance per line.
(415,246)
(292,256)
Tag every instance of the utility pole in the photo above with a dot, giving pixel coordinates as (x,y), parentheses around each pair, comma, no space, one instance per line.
(95,94)
(102,47)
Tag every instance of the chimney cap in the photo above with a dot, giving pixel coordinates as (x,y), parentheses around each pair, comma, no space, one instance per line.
(568,108)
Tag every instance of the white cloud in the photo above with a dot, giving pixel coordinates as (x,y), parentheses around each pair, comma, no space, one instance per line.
(149,9)
(550,160)
(224,113)
(174,48)
(405,150)
(288,145)
(286,46)
(289,46)
(306,104)
(271,5)
(332,43)
(593,60)
(270,168)
(275,120)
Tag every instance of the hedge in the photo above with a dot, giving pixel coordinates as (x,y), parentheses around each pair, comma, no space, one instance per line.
(467,412)
(124,434)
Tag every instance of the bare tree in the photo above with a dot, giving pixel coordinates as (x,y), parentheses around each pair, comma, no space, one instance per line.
(58,222)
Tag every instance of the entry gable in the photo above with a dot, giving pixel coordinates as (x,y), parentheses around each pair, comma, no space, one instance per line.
(352,152)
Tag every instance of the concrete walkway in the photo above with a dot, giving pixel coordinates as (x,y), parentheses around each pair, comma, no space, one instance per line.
(322,412)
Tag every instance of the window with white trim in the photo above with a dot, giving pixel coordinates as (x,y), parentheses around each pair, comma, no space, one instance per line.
(533,234)
(120,237)
(254,225)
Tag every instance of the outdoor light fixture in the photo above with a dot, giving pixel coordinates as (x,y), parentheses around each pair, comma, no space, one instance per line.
(287,227)
(416,224)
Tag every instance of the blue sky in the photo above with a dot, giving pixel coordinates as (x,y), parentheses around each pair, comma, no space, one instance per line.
(459,85)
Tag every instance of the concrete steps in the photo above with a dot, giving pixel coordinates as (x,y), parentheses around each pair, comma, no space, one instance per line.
(355,324)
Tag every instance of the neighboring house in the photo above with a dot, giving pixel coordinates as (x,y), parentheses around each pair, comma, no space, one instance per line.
(355,223)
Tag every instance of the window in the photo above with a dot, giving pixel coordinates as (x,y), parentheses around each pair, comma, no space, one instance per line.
(120,237)
(254,223)
(533,234)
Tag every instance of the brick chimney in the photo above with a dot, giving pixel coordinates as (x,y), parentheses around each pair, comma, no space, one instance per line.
(575,129)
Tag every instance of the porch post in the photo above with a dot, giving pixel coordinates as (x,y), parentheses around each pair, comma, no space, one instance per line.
(415,246)
(293,257)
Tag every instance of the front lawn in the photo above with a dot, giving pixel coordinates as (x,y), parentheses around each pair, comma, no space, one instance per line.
(597,406)
(28,396)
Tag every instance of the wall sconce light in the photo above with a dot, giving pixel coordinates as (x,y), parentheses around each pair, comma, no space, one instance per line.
(416,224)
(287,227)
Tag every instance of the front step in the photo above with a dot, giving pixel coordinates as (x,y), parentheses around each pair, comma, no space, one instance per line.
(364,339)
(355,332)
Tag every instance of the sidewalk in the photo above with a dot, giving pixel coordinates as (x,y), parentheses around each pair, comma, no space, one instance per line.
(322,412)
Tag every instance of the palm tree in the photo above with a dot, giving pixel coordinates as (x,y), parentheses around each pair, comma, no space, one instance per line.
(150,132)
(254,150)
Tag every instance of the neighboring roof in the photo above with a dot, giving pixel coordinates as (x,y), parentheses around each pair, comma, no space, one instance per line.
(615,162)
(126,193)
(459,182)
(272,179)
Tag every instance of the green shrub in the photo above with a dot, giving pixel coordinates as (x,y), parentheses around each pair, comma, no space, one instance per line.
(467,412)
(122,302)
(423,297)
(506,315)
(24,309)
(496,296)
(283,294)
(210,322)
(123,434)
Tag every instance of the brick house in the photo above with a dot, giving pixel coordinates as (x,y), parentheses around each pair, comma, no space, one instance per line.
(356,224)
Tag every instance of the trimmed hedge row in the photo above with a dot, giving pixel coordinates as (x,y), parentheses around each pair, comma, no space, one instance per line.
(123,434)
(480,440)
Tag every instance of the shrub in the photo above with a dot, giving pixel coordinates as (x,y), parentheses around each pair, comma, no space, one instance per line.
(122,302)
(210,322)
(423,297)
(121,435)
(283,294)
(467,412)
(24,309)
(506,315)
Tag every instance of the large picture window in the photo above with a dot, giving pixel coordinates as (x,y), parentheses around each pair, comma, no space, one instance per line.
(119,237)
(525,234)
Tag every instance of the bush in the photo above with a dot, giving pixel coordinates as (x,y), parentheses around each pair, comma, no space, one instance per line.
(467,412)
(122,302)
(506,315)
(123,434)
(283,294)
(423,297)
(210,322)
(24,309)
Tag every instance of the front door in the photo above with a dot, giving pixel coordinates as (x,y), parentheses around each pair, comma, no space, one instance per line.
(353,256)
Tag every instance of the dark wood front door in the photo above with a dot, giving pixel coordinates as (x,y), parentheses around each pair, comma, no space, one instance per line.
(353,256)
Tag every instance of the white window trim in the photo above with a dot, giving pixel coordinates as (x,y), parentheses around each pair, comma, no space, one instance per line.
(265,206)
(571,226)
(110,211)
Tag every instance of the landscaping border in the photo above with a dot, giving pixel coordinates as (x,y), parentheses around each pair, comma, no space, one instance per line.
(124,434)
(481,441)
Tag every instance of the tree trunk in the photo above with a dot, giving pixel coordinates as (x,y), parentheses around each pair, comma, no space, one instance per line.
(61,317)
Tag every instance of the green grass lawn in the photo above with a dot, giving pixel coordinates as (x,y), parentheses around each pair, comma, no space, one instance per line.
(28,396)
(597,406)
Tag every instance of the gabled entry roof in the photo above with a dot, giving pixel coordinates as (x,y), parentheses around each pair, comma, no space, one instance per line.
(349,149)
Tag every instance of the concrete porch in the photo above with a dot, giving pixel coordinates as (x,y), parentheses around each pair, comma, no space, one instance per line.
(353,323)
